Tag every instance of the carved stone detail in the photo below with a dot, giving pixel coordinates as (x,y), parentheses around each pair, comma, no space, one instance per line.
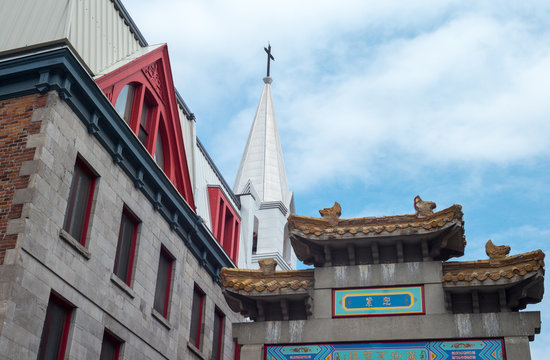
(332,214)
(423,208)
(267,266)
(496,251)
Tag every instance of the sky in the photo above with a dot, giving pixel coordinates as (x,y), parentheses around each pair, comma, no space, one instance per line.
(380,101)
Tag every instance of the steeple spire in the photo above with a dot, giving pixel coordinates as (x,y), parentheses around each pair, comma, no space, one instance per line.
(262,162)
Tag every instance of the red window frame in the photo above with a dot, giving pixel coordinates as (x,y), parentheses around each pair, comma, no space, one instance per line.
(71,202)
(226,224)
(62,343)
(198,309)
(133,241)
(159,292)
(108,336)
(219,332)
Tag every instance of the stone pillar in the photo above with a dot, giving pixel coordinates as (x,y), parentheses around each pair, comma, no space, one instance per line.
(517,348)
(252,352)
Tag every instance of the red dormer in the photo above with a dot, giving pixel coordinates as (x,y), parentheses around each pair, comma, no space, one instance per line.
(142,92)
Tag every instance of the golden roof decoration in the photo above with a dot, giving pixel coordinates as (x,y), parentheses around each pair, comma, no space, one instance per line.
(496,251)
(332,214)
(265,278)
(310,226)
(503,267)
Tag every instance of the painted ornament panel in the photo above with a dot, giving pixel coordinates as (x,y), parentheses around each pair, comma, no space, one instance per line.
(423,350)
(378,301)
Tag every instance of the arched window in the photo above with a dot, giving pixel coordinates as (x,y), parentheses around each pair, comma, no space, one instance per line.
(143,132)
(124,102)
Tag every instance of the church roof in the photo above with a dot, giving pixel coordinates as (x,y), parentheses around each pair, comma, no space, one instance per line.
(262,161)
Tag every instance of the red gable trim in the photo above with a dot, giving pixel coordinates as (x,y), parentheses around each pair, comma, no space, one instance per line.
(152,75)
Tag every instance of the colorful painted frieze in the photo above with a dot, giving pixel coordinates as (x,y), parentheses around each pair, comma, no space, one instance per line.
(378,301)
(487,349)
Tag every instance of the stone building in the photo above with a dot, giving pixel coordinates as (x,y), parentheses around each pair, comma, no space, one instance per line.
(384,288)
(114,220)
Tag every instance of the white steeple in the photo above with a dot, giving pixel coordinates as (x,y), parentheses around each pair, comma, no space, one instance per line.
(262,162)
(262,187)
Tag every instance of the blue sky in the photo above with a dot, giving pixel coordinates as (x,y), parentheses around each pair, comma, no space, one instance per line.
(377,102)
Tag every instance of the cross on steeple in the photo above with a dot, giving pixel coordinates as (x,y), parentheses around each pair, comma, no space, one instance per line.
(269,57)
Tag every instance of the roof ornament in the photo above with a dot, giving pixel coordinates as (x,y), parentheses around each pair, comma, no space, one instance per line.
(269,56)
(267,266)
(423,208)
(332,214)
(496,251)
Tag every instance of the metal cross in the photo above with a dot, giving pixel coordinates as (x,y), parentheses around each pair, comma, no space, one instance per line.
(269,57)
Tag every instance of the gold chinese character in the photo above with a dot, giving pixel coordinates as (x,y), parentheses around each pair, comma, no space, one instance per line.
(353,356)
(369,301)
(386,301)
(395,356)
(411,355)
(367,355)
(380,355)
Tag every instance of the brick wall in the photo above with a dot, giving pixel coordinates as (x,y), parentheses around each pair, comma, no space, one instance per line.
(16,126)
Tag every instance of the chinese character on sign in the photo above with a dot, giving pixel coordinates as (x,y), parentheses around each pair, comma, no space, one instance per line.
(353,356)
(380,355)
(367,355)
(369,301)
(395,356)
(386,301)
(411,355)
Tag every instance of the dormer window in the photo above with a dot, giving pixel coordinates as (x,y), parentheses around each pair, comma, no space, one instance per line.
(124,102)
(143,94)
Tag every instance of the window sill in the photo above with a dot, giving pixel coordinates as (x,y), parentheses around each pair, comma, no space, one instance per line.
(123,286)
(161,319)
(75,244)
(196,351)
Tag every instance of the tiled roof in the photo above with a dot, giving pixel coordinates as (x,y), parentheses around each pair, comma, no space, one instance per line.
(319,227)
(493,269)
(265,279)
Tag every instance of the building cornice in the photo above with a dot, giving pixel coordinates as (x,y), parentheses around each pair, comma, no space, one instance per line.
(59,70)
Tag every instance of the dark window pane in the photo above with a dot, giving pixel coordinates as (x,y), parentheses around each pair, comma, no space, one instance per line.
(109,348)
(159,152)
(54,332)
(196,318)
(126,240)
(142,135)
(163,282)
(218,333)
(75,218)
(124,102)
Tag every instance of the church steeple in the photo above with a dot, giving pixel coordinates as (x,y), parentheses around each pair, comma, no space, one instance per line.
(262,162)
(261,183)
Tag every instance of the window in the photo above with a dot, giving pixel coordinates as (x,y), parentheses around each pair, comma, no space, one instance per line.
(196,317)
(56,330)
(164,279)
(110,347)
(80,202)
(125,251)
(124,102)
(143,132)
(159,150)
(217,340)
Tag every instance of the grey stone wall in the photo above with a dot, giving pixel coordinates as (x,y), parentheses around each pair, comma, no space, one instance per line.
(44,261)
